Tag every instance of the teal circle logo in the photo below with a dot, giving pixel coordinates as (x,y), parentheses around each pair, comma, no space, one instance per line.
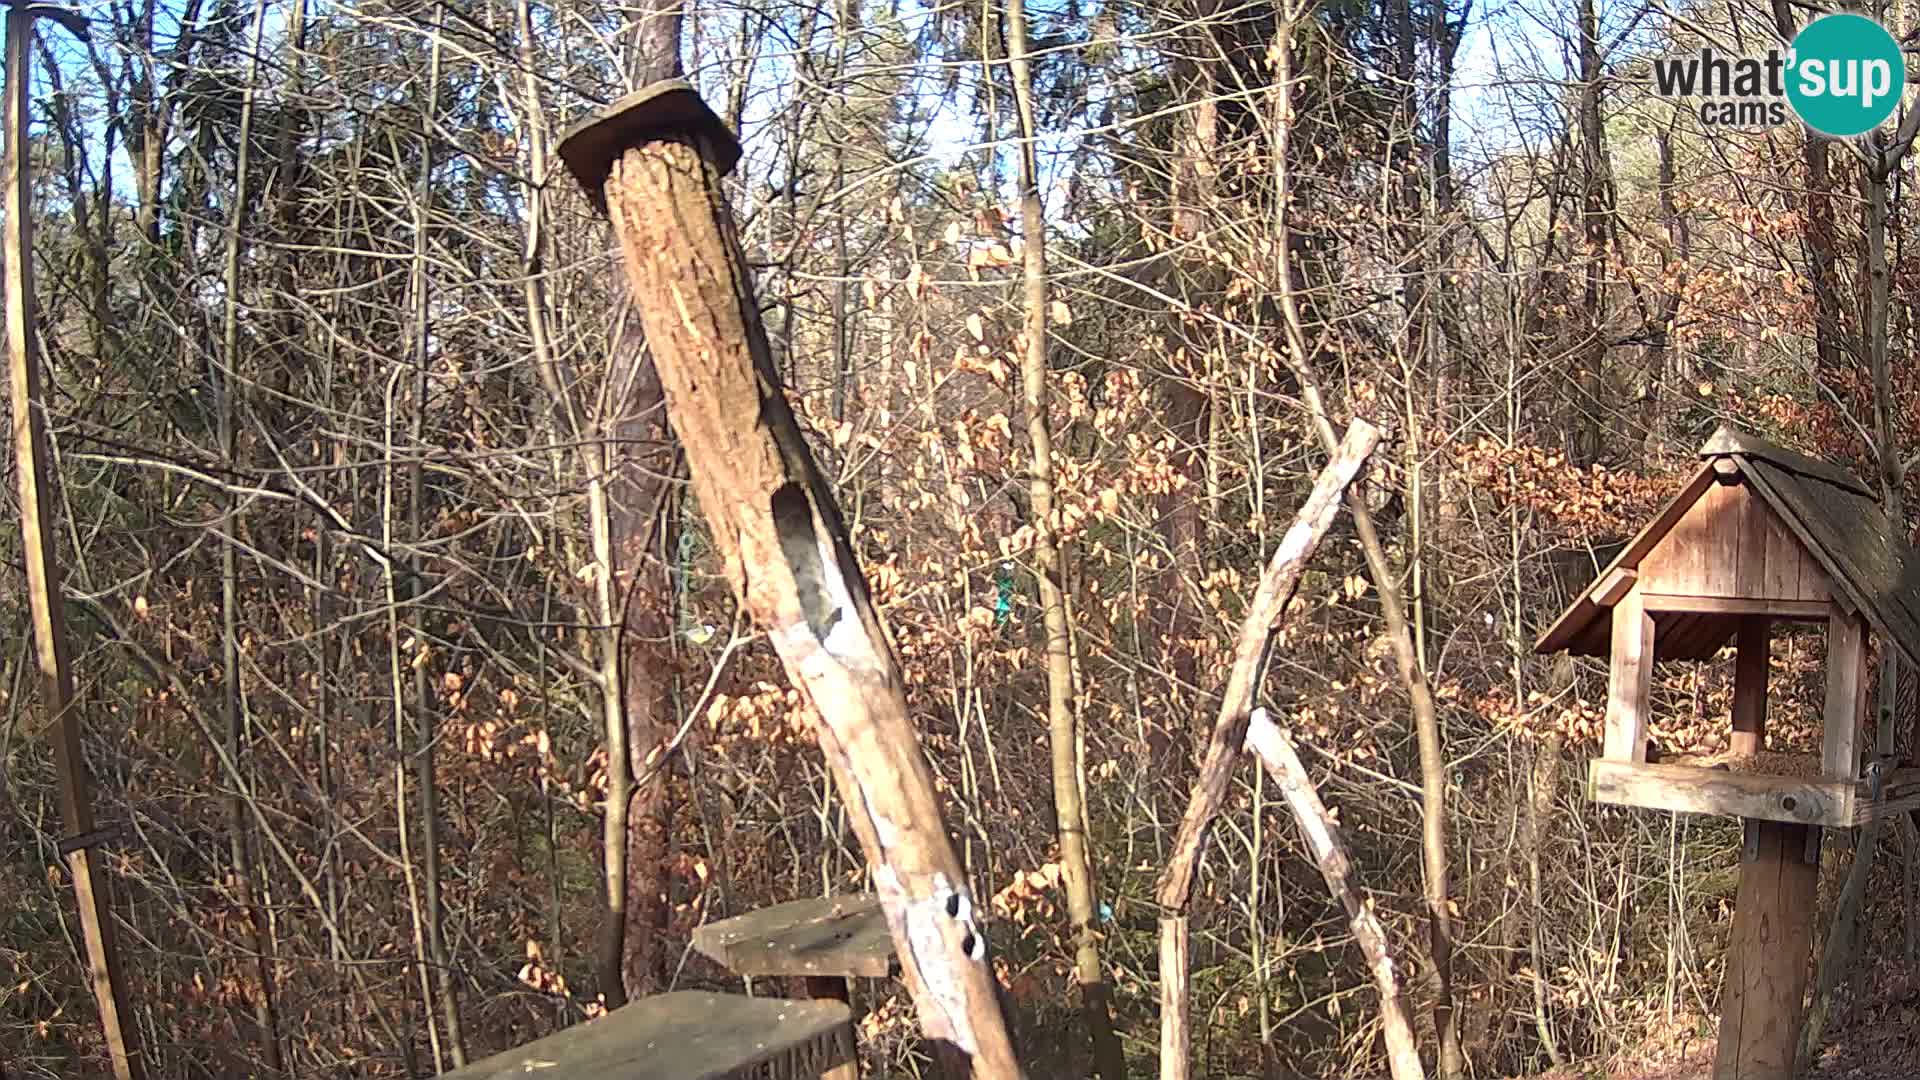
(1845,75)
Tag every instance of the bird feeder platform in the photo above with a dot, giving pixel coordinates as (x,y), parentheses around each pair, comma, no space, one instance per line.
(1759,535)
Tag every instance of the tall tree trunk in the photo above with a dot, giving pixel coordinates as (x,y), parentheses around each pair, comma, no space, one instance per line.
(1296,352)
(1542,777)
(1838,954)
(1828,333)
(640,464)
(230,383)
(1676,251)
(631,464)
(426,725)
(1069,799)
(1592,356)
(34,472)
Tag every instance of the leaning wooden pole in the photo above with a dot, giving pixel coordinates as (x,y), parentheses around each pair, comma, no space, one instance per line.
(1275,751)
(1264,613)
(34,467)
(654,161)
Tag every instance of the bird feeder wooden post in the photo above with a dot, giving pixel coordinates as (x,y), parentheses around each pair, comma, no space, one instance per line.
(1759,535)
(653,161)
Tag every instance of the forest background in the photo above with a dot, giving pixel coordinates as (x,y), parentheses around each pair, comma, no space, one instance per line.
(377,541)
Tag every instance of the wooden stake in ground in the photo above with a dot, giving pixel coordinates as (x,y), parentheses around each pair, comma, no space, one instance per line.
(1264,613)
(655,160)
(1276,752)
(35,468)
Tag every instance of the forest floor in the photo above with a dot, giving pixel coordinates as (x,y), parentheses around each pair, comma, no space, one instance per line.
(1880,1040)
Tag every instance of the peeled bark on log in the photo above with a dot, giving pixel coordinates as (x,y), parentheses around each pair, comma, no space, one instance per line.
(1264,613)
(788,557)
(1276,752)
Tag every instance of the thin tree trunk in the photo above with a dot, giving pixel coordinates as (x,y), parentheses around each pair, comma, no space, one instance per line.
(1593,224)
(1076,861)
(629,467)
(1676,251)
(1426,723)
(34,472)
(1814,156)
(235,705)
(1843,935)
(426,726)
(1541,778)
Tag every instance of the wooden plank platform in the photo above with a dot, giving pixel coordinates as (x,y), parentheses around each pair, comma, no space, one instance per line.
(686,1036)
(838,935)
(1795,801)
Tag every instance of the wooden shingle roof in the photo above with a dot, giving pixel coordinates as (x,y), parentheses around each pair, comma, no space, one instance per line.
(1833,515)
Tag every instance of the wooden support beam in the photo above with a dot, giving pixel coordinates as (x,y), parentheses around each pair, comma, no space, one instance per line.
(836,988)
(1629,680)
(687,1036)
(1899,798)
(1685,789)
(1175,1018)
(1750,686)
(1224,747)
(1760,1006)
(34,469)
(1282,762)
(1608,590)
(1797,610)
(817,942)
(1846,698)
(1726,470)
(840,935)
(1689,790)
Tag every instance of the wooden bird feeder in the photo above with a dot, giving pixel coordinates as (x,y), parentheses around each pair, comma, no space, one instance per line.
(1759,535)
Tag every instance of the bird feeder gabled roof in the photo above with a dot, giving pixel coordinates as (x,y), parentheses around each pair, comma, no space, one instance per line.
(1826,512)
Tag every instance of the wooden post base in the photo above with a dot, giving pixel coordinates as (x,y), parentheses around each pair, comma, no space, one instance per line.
(831,988)
(1761,1007)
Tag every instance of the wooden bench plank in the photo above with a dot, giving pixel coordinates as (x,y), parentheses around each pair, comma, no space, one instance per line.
(838,935)
(686,1036)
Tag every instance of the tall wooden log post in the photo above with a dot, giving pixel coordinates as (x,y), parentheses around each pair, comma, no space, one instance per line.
(654,161)
(34,466)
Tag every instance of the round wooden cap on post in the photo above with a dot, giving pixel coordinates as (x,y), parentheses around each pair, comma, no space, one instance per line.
(658,110)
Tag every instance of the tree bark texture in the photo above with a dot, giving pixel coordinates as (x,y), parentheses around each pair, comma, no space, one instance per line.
(46,604)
